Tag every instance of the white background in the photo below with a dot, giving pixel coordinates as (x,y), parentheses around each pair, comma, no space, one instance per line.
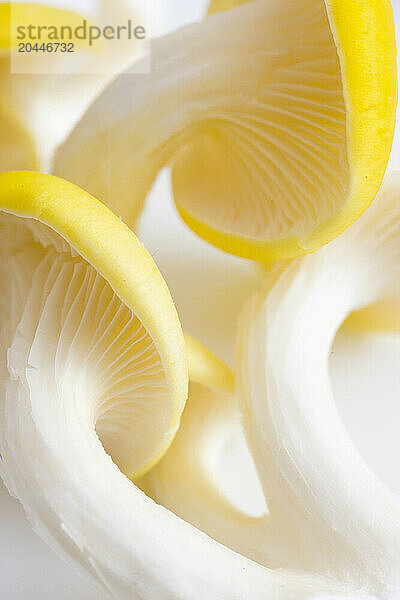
(210,289)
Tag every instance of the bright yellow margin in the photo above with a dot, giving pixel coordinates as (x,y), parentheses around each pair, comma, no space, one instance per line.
(364,34)
(206,368)
(116,253)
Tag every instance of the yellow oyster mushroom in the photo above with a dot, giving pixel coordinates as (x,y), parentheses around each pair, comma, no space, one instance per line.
(277,117)
(187,480)
(84,324)
(339,518)
(49,104)
(94,368)
(19,94)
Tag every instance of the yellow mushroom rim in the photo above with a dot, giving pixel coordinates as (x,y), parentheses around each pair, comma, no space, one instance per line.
(281,135)
(363,31)
(206,368)
(119,257)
